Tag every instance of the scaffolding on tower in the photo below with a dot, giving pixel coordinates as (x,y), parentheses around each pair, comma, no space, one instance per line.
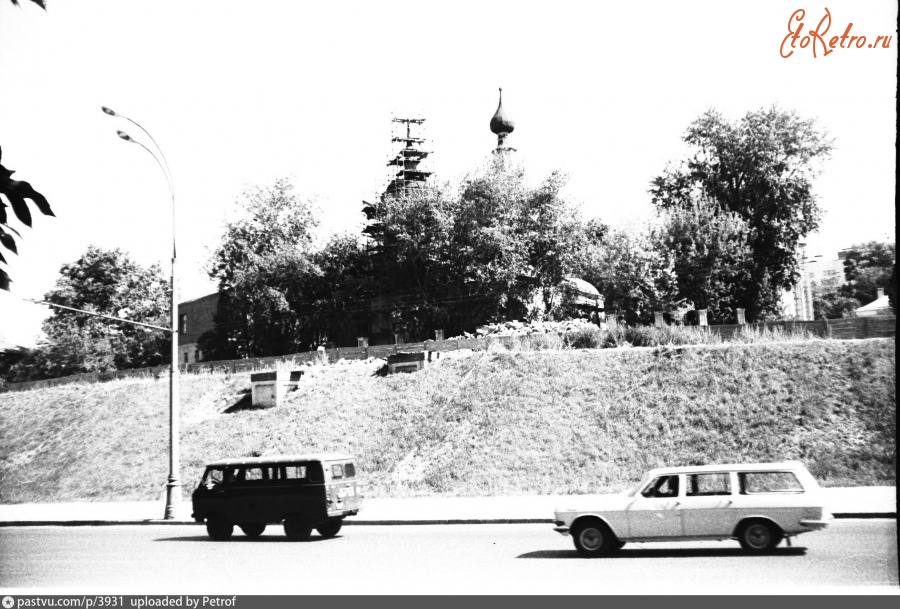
(404,174)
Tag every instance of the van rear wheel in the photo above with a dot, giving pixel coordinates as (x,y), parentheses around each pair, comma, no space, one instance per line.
(218,528)
(253,530)
(296,528)
(329,529)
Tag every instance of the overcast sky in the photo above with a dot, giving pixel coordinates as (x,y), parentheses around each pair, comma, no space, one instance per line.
(237,93)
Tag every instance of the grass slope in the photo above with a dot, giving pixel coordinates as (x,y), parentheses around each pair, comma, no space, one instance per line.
(541,422)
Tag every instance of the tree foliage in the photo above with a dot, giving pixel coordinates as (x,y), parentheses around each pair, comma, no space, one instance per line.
(711,255)
(762,168)
(106,282)
(633,273)
(40,3)
(460,256)
(17,193)
(867,267)
(258,265)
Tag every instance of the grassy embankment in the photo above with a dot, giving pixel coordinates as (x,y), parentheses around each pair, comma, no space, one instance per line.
(494,423)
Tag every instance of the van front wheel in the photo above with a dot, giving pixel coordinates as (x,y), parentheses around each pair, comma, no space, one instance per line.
(329,529)
(296,528)
(218,528)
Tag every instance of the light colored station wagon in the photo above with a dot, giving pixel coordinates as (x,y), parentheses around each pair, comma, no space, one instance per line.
(758,504)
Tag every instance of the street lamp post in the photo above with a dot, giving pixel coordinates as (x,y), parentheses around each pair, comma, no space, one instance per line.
(173,486)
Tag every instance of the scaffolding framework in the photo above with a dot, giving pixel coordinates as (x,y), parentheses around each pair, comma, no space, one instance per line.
(404,174)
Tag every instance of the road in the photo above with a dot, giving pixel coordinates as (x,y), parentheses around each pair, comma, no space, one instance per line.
(440,559)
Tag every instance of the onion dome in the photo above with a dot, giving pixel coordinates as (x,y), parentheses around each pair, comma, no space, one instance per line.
(500,123)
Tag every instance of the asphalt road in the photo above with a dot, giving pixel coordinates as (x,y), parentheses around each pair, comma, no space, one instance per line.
(440,559)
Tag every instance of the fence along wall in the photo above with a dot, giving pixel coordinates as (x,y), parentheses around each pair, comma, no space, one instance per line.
(851,328)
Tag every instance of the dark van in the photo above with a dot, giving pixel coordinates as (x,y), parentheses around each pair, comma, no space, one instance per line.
(305,492)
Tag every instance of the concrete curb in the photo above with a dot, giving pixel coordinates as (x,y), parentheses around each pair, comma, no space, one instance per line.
(354,522)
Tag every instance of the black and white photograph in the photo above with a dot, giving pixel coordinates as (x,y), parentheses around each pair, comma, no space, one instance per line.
(446,298)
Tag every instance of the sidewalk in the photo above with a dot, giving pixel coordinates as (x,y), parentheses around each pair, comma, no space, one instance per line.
(858,502)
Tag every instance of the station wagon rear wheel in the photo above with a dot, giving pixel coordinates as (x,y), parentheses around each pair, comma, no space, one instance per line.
(253,530)
(759,536)
(218,528)
(329,529)
(296,528)
(594,538)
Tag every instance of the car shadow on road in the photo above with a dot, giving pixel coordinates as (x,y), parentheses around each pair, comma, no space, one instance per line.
(275,538)
(666,553)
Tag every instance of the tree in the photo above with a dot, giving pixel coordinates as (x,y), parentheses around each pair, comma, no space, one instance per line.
(634,275)
(761,168)
(710,249)
(257,265)
(16,192)
(832,305)
(106,282)
(458,257)
(867,267)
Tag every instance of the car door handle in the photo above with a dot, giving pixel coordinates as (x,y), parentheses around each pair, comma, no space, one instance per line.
(674,505)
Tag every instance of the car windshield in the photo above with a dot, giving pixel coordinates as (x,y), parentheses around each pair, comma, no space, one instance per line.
(636,488)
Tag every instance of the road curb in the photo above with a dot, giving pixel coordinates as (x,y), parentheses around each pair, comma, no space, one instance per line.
(394,522)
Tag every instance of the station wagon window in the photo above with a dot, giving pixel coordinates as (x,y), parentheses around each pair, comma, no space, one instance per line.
(337,471)
(662,486)
(701,485)
(768,482)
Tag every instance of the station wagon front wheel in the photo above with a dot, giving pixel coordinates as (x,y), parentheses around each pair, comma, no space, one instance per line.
(296,528)
(594,538)
(218,528)
(759,536)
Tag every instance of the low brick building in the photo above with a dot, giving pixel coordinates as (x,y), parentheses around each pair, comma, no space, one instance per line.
(194,318)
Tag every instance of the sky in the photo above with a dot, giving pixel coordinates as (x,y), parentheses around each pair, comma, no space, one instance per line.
(238,93)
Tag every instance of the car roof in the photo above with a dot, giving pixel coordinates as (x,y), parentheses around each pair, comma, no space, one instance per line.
(281,459)
(744,467)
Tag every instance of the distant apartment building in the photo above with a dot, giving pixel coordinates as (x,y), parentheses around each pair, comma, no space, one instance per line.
(817,276)
(194,318)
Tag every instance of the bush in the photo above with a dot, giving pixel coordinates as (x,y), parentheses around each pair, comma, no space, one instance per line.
(587,337)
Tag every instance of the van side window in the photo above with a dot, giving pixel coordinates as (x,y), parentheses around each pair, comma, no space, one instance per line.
(702,485)
(254,474)
(752,483)
(337,471)
(295,472)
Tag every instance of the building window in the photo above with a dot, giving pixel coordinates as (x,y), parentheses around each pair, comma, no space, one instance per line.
(182,323)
